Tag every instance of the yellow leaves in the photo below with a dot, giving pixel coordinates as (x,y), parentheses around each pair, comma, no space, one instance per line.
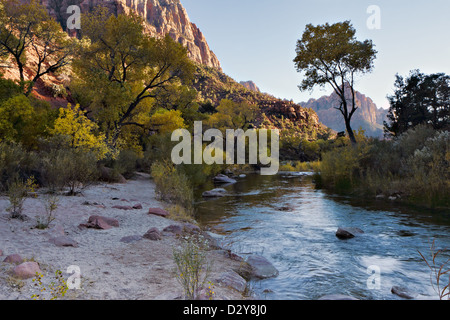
(72,122)
(165,121)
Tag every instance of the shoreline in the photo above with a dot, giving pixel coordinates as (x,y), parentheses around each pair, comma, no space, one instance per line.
(115,264)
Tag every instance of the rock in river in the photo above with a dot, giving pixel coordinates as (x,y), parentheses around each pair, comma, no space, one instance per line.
(348,233)
(337,297)
(261,267)
(215,193)
(404,292)
(221,178)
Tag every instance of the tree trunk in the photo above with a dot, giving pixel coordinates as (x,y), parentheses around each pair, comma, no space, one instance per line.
(351,135)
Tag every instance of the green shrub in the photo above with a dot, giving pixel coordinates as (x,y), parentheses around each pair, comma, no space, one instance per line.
(171,184)
(192,266)
(69,168)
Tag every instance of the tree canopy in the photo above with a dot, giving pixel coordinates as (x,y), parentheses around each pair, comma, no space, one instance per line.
(120,69)
(331,55)
(419,99)
(27,29)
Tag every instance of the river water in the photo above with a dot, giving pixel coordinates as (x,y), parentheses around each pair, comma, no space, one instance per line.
(293,224)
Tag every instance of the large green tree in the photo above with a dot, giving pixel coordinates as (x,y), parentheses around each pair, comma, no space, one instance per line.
(26,29)
(331,55)
(120,70)
(419,99)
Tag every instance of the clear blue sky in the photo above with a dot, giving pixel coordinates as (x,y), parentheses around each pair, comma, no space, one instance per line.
(256,39)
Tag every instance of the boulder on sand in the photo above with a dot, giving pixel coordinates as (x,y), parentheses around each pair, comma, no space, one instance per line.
(158,212)
(13,258)
(64,241)
(27,270)
(348,233)
(99,222)
(153,234)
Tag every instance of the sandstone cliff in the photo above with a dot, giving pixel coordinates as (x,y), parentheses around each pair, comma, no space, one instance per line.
(162,17)
(250,85)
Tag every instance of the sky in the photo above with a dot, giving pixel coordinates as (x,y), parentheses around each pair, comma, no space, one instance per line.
(256,39)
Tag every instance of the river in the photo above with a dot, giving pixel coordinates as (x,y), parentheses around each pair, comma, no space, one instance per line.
(293,224)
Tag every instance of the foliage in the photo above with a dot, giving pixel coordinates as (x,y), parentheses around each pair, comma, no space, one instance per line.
(26,27)
(419,99)
(165,121)
(231,115)
(50,205)
(414,165)
(331,55)
(192,266)
(171,184)
(120,69)
(437,272)
(24,120)
(56,289)
(72,122)
(17,193)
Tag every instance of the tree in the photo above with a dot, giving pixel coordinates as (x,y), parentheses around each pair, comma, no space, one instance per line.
(232,115)
(26,28)
(120,69)
(331,55)
(73,123)
(419,99)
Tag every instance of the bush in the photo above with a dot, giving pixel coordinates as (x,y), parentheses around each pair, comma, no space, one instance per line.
(16,163)
(69,168)
(192,266)
(172,185)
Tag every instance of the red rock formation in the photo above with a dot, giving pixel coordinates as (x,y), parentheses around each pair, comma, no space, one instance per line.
(250,85)
(162,17)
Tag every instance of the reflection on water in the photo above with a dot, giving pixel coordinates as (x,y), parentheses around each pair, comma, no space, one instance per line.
(292,224)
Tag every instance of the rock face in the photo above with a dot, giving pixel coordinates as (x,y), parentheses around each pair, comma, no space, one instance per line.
(368,115)
(162,17)
(250,85)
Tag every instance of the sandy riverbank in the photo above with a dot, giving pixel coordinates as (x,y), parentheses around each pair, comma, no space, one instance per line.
(110,268)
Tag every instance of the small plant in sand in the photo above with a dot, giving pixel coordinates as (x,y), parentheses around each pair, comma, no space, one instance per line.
(439,270)
(192,266)
(55,290)
(17,193)
(50,205)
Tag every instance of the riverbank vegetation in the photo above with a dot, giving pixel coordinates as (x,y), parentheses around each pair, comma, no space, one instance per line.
(128,92)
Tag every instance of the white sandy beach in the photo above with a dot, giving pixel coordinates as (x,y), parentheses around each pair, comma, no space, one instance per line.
(110,268)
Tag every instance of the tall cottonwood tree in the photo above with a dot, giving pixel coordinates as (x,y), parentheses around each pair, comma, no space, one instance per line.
(331,55)
(27,29)
(120,69)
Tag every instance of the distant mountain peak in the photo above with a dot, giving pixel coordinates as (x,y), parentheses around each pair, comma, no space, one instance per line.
(250,85)
(368,115)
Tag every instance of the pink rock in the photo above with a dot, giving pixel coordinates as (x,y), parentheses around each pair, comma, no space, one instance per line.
(27,270)
(158,212)
(153,234)
(137,206)
(1,252)
(99,222)
(13,258)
